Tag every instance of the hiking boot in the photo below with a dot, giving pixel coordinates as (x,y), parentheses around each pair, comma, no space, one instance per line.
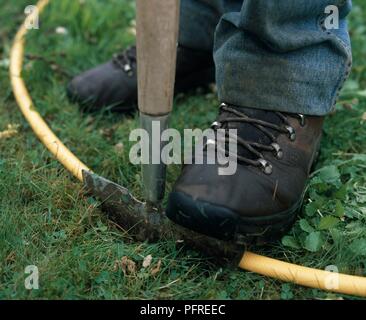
(259,202)
(114,84)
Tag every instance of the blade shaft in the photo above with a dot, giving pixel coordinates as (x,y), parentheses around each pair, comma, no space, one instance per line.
(157,35)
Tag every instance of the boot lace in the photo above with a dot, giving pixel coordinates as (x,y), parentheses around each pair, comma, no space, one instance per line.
(254,147)
(125,60)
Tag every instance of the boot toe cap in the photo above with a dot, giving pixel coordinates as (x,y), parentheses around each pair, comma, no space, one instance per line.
(103,86)
(231,207)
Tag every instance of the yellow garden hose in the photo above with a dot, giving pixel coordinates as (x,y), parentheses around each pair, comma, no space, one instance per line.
(284,271)
(308,277)
(39,126)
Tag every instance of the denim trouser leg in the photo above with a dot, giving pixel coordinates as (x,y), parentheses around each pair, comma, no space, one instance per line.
(274,54)
(198,21)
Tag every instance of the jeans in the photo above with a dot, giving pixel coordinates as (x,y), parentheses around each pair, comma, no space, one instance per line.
(272,54)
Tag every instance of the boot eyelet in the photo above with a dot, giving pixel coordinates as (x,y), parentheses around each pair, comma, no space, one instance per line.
(209,142)
(266,166)
(302,120)
(128,69)
(291,133)
(277,149)
(216,125)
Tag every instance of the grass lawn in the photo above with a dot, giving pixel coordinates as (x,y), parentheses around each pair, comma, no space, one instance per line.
(45,220)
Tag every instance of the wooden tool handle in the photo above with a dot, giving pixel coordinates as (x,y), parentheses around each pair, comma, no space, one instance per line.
(157,36)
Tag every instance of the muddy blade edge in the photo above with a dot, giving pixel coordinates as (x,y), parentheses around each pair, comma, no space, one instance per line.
(146,223)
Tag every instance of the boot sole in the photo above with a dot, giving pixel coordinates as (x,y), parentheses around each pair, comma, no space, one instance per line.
(225,224)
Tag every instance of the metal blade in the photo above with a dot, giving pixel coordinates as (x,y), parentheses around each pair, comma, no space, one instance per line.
(146,223)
